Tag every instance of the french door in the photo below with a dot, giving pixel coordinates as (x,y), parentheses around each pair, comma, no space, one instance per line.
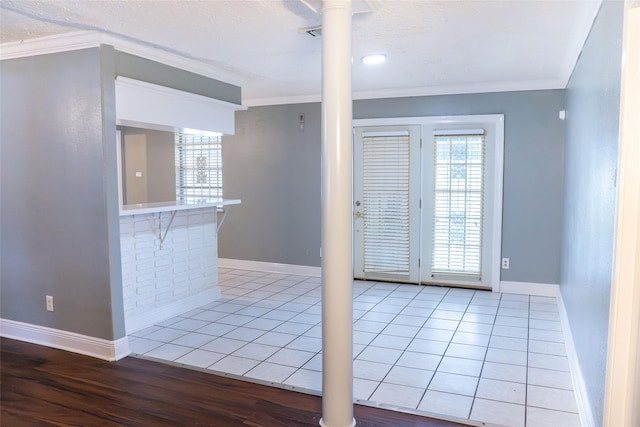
(427,200)
(387,203)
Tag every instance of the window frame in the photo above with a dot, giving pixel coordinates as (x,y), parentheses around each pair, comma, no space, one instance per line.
(187,161)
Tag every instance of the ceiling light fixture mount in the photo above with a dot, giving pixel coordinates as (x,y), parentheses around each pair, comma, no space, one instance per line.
(373,59)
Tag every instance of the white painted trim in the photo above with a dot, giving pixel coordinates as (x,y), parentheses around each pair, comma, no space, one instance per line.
(498,176)
(528,288)
(141,104)
(577,377)
(622,385)
(176,94)
(517,86)
(65,340)
(50,44)
(87,39)
(461,89)
(269,267)
(192,65)
(156,315)
(496,120)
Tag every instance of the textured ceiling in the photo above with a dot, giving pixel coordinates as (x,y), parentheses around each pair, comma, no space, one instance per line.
(433,47)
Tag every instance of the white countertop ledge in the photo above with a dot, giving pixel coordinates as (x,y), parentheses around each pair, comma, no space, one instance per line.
(146,208)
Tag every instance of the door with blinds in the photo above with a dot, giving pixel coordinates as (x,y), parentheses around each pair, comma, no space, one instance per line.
(462,182)
(428,199)
(457,206)
(386,203)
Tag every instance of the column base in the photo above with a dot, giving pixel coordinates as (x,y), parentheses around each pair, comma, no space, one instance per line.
(353,424)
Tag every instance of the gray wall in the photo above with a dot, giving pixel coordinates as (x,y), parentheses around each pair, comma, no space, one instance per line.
(134,67)
(153,153)
(275,168)
(592,101)
(161,165)
(134,163)
(58,185)
(56,219)
(110,174)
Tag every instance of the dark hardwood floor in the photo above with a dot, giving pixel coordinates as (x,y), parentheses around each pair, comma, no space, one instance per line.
(41,386)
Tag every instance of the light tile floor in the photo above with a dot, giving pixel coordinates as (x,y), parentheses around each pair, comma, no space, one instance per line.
(490,357)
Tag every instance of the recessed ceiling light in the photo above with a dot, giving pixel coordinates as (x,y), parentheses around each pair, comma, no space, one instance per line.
(376,58)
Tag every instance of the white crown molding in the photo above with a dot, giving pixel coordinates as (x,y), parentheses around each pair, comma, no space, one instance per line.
(173,60)
(153,316)
(269,267)
(416,91)
(88,39)
(473,88)
(65,340)
(50,44)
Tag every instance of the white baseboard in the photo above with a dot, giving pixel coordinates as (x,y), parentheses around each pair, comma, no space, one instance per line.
(153,316)
(527,288)
(579,386)
(65,340)
(269,267)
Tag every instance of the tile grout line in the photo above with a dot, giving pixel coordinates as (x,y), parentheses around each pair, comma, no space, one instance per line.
(313,288)
(412,339)
(258,317)
(493,325)
(379,333)
(448,345)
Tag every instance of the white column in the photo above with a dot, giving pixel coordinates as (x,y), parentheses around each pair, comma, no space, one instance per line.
(337,269)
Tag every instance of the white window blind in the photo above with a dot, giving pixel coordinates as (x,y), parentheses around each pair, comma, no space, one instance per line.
(459,162)
(386,202)
(198,167)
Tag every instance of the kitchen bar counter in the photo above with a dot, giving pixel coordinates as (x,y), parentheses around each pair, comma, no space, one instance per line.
(169,258)
(145,208)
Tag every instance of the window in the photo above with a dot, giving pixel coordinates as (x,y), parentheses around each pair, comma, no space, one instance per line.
(458,202)
(198,167)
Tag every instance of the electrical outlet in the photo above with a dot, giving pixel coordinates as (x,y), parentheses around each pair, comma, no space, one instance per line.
(49,303)
(505,263)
